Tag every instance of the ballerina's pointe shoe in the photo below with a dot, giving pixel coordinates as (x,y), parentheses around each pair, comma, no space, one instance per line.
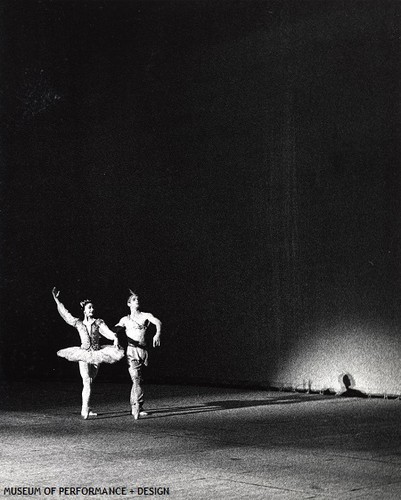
(85,414)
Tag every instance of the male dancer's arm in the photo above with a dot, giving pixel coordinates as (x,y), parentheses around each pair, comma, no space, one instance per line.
(119,328)
(158,325)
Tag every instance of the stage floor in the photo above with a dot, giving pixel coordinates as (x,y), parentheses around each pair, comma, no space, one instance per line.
(197,443)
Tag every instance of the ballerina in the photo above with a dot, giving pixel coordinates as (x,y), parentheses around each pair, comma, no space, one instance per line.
(90,354)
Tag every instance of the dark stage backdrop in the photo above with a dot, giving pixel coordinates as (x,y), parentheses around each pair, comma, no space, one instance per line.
(234,162)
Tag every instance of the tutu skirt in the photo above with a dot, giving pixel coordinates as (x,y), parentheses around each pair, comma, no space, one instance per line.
(106,354)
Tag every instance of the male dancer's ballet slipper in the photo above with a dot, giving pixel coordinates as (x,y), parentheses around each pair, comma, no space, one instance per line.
(138,412)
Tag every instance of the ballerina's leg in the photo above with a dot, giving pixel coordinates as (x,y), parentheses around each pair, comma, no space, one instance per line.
(88,373)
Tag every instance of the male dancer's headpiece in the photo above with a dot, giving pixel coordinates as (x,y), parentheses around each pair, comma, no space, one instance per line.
(132,294)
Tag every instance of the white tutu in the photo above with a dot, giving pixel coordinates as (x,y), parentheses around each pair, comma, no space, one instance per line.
(106,354)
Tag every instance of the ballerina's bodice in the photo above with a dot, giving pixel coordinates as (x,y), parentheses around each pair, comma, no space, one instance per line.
(90,350)
(89,334)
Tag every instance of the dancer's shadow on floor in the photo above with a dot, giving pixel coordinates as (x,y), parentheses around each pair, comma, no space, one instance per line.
(211,406)
(348,387)
(41,399)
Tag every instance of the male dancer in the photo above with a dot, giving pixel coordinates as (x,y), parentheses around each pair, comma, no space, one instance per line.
(135,325)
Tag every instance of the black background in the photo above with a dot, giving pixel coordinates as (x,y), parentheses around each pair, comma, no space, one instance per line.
(234,162)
